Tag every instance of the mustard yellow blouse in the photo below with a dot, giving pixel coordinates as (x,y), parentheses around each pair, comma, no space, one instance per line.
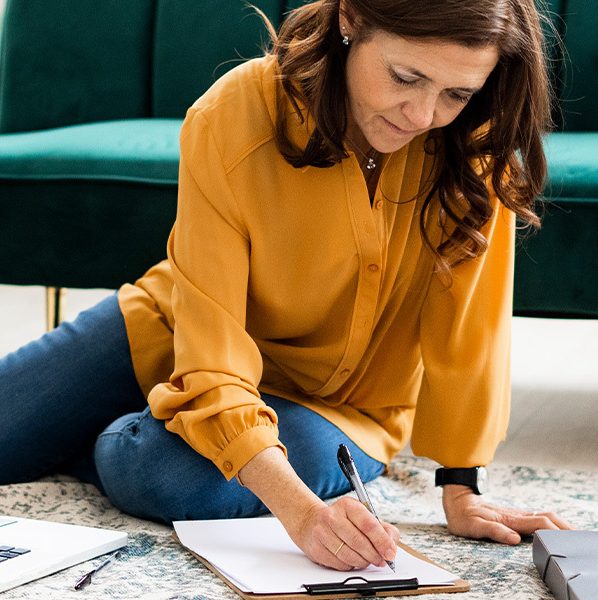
(288,281)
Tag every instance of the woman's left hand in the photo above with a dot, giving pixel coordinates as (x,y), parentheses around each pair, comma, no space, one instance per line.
(469,515)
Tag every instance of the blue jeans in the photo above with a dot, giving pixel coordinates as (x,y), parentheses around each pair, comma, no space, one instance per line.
(69,402)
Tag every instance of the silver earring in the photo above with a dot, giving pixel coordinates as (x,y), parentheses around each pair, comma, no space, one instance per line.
(346,39)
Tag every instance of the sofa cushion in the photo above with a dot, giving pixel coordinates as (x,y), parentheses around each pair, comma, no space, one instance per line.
(556,269)
(82,233)
(195,43)
(88,205)
(143,150)
(73,62)
(572,165)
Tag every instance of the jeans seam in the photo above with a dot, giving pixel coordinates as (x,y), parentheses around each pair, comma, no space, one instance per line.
(142,415)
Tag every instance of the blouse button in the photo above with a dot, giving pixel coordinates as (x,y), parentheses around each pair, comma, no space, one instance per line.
(379,204)
(373,268)
(345,372)
(228,466)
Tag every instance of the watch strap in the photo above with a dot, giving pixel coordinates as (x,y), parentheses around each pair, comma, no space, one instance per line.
(459,476)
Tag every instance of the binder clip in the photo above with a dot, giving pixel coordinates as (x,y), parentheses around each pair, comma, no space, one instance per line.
(361,586)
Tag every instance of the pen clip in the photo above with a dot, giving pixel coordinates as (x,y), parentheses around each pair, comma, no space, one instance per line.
(347,465)
(344,460)
(84,581)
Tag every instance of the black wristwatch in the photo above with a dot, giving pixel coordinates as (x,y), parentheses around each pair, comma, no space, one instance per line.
(476,478)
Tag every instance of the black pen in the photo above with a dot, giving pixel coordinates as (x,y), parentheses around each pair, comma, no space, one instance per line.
(86,579)
(345,461)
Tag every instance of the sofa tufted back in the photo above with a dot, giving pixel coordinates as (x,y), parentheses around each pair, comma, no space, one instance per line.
(579,90)
(74,61)
(195,42)
(67,62)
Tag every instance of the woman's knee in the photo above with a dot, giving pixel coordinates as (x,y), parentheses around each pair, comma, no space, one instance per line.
(152,473)
(127,462)
(312,443)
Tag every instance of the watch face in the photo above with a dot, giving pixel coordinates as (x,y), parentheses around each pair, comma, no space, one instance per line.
(482,480)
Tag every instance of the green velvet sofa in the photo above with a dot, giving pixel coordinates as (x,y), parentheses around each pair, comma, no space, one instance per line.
(92,96)
(557,270)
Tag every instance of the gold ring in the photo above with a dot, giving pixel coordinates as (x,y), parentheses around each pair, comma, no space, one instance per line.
(339,548)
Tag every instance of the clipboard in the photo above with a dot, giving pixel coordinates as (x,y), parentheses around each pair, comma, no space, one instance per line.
(361,589)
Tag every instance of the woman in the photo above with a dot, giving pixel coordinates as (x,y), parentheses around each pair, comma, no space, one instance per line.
(340,271)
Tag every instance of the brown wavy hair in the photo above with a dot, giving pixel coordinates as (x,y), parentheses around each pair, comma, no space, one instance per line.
(497,137)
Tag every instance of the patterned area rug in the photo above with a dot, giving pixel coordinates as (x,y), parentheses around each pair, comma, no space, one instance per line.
(154,566)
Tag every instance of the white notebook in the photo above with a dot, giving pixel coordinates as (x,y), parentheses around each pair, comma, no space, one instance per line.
(30,549)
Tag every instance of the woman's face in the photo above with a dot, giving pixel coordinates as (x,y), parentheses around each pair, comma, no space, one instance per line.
(399,88)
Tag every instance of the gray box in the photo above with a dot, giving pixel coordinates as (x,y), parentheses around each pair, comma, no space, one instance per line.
(568,563)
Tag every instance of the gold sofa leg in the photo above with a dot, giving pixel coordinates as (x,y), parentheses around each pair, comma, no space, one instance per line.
(54,307)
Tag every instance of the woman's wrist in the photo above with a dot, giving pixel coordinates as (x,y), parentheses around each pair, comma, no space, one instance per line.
(271,478)
(454,490)
(453,496)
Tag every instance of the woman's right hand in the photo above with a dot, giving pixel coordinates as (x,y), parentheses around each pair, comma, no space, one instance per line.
(345,535)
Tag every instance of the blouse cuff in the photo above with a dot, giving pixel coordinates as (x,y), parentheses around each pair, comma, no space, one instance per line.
(244,447)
